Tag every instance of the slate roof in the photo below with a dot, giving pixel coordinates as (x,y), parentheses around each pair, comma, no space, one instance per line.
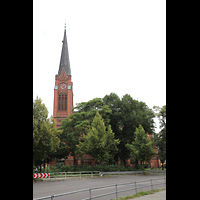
(64,59)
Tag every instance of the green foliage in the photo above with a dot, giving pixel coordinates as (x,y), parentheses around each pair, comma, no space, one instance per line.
(162,145)
(139,194)
(86,111)
(79,123)
(98,142)
(142,148)
(161,137)
(45,136)
(120,119)
(145,173)
(126,116)
(60,167)
(161,114)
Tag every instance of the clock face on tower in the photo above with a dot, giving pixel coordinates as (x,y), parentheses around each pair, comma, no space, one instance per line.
(62,85)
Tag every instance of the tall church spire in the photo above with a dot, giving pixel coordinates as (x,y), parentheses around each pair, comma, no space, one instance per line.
(64,59)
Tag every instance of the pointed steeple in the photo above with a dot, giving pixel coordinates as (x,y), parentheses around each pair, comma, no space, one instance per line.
(64,59)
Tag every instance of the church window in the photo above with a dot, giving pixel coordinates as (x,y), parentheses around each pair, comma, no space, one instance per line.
(59,101)
(65,102)
(62,101)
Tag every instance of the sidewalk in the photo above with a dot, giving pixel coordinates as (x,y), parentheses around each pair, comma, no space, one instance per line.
(156,196)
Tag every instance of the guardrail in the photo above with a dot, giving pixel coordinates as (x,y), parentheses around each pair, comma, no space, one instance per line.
(134,186)
(74,174)
(134,172)
(64,175)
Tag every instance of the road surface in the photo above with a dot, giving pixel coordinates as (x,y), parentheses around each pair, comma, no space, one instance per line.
(41,189)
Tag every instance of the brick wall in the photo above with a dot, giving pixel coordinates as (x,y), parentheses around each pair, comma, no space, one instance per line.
(59,115)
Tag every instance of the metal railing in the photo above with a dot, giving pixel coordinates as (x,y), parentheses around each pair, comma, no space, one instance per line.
(57,175)
(133,186)
(135,172)
(80,174)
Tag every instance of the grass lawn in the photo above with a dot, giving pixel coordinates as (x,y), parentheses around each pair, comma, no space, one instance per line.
(142,193)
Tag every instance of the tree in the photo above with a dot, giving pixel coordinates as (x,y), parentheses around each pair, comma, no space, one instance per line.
(161,137)
(87,110)
(142,148)
(79,123)
(161,114)
(114,103)
(71,128)
(98,142)
(161,144)
(126,116)
(45,135)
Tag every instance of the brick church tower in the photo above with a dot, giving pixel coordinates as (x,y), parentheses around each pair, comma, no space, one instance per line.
(63,90)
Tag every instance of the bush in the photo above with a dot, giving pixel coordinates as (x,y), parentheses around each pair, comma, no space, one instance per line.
(60,167)
(145,173)
(53,169)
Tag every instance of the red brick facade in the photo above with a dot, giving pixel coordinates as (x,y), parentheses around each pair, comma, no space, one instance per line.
(63,97)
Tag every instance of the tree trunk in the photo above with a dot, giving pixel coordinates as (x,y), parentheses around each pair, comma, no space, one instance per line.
(116,158)
(74,161)
(157,162)
(40,167)
(124,161)
(44,165)
(136,163)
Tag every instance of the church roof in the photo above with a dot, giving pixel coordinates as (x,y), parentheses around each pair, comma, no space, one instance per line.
(64,59)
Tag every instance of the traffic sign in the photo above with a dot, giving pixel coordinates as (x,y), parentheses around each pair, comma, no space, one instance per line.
(41,175)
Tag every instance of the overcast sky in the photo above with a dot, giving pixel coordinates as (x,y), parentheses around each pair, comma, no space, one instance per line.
(114,46)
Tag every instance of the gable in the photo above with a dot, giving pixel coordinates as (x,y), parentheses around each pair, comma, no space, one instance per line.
(63,75)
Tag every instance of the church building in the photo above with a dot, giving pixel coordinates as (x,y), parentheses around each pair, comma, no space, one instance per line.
(63,101)
(63,97)
(63,89)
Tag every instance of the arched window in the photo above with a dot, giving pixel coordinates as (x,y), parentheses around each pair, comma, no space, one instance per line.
(62,101)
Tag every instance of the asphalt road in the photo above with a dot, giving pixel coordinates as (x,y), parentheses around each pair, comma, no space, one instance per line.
(41,189)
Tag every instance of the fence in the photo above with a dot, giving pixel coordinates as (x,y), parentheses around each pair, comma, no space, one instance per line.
(133,186)
(79,174)
(58,175)
(135,172)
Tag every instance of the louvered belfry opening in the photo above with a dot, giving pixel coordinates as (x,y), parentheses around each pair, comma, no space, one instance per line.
(62,101)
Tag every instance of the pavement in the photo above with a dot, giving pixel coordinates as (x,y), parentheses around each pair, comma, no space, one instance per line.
(156,196)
